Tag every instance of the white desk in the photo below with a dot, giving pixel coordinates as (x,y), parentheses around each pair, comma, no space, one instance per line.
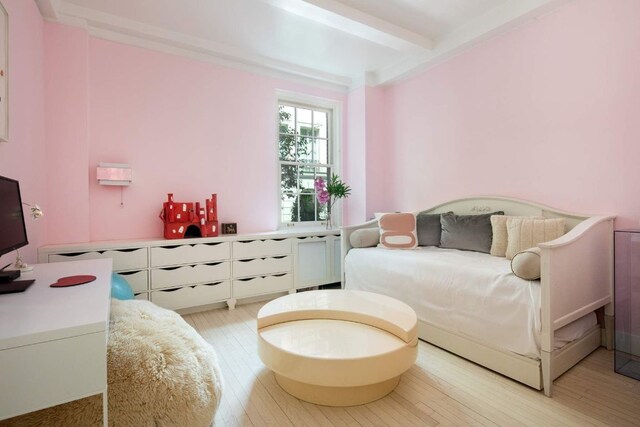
(53,341)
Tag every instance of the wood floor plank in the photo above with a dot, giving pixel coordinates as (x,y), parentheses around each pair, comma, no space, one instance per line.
(441,389)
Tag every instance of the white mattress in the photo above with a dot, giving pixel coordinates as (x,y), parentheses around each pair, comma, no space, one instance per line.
(469,293)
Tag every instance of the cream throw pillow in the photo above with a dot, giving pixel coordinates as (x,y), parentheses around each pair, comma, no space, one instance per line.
(500,236)
(527,233)
(526,264)
(365,237)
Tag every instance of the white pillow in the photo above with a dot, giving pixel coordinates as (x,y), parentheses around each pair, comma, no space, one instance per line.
(365,237)
(526,264)
(398,231)
(500,237)
(527,233)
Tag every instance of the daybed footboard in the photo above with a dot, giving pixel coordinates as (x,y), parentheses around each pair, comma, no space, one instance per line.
(576,279)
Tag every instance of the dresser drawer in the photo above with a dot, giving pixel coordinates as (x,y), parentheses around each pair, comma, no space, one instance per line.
(192,296)
(262,285)
(138,280)
(262,266)
(189,254)
(261,248)
(123,259)
(190,274)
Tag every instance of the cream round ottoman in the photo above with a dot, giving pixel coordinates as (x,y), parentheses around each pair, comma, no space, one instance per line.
(337,347)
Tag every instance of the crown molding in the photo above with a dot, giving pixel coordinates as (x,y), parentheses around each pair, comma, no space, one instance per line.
(113,28)
(488,25)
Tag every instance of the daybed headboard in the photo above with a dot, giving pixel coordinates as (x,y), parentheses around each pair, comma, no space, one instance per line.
(487,204)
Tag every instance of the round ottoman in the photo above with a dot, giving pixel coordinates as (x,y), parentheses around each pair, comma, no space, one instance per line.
(160,371)
(337,347)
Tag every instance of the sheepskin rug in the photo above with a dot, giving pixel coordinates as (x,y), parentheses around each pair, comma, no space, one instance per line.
(161,372)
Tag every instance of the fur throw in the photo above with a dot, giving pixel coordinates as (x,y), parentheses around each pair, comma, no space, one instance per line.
(161,372)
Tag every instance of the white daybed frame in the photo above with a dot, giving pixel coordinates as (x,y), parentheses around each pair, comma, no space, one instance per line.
(576,279)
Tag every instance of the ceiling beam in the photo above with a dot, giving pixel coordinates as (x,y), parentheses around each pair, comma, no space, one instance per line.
(355,22)
(47,9)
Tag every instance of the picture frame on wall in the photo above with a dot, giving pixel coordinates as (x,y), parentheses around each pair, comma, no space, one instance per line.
(4,74)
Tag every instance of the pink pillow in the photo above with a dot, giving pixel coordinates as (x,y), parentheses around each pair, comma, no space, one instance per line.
(398,231)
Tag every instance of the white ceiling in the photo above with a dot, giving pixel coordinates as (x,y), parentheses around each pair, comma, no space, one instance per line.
(342,43)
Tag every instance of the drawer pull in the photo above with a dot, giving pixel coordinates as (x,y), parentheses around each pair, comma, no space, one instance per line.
(209,284)
(204,284)
(129,273)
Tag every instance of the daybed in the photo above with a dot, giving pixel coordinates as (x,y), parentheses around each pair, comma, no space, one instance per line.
(530,331)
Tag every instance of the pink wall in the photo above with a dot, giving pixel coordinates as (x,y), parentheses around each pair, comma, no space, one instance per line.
(187,127)
(354,158)
(547,112)
(67,127)
(23,157)
(379,153)
(367,154)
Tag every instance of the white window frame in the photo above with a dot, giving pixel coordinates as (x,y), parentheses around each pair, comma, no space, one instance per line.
(334,134)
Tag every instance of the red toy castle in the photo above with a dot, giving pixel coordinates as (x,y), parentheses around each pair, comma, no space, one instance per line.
(181,220)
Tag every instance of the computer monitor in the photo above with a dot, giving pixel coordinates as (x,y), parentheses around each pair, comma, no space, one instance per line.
(13,232)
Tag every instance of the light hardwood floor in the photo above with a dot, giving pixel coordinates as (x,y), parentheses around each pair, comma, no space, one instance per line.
(440,389)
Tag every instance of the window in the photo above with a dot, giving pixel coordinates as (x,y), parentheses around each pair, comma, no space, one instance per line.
(305,151)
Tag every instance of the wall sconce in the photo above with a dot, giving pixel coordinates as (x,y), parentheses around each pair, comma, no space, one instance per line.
(114,174)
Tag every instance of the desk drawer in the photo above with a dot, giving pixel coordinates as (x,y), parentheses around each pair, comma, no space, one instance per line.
(138,280)
(189,254)
(192,296)
(262,266)
(123,259)
(262,285)
(189,274)
(261,248)
(51,373)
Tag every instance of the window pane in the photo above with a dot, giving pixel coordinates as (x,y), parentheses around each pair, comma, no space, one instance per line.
(286,119)
(307,175)
(287,147)
(307,207)
(304,124)
(286,207)
(289,178)
(321,151)
(305,150)
(320,124)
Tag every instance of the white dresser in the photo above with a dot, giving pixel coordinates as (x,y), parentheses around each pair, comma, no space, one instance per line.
(194,273)
(53,341)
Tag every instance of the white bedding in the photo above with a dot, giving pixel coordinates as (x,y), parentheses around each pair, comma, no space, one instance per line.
(469,293)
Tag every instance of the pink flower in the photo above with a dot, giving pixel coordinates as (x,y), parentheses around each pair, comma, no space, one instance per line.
(323,197)
(319,184)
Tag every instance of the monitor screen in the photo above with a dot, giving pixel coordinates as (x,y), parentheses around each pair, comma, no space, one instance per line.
(13,234)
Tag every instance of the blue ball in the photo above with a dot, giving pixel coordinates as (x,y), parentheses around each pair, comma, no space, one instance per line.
(120,288)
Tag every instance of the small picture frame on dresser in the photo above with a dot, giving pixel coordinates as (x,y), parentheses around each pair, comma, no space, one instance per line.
(230,228)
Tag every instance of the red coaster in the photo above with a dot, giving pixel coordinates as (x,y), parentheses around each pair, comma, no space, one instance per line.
(72,281)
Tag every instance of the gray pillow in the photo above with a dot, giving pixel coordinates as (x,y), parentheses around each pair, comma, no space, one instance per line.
(428,229)
(467,232)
